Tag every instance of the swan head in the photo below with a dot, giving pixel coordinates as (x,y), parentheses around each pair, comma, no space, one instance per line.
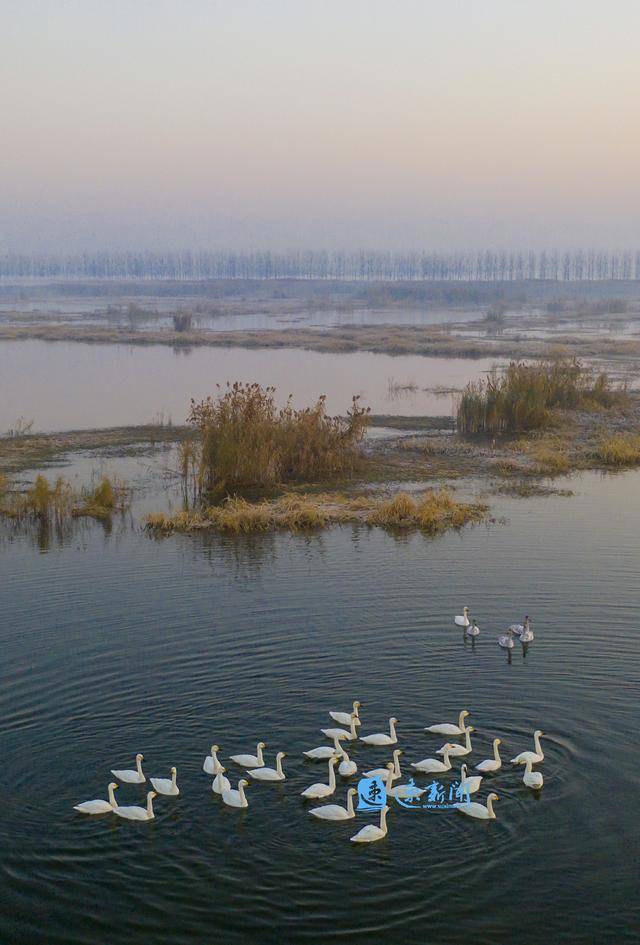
(493,797)
(470,729)
(398,752)
(113,786)
(214,749)
(352,791)
(356,705)
(244,783)
(334,759)
(262,745)
(151,795)
(393,721)
(222,769)
(390,766)
(139,757)
(173,770)
(463,771)
(281,754)
(538,733)
(497,741)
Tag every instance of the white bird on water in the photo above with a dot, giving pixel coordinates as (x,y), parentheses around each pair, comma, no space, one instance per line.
(324,752)
(506,640)
(322,790)
(434,765)
(236,798)
(344,718)
(479,811)
(335,811)
(220,782)
(458,751)
(473,630)
(167,786)
(350,735)
(347,767)
(211,763)
(401,790)
(99,807)
(371,833)
(382,772)
(380,738)
(448,728)
(469,785)
(137,813)
(532,779)
(534,756)
(270,774)
(462,620)
(492,764)
(251,761)
(131,775)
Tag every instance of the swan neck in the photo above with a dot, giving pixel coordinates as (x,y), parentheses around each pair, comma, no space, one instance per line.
(259,756)
(496,753)
(396,761)
(392,729)
(138,766)
(383,819)
(332,776)
(279,766)
(112,797)
(536,742)
(241,791)
(490,806)
(150,805)
(350,810)
(174,778)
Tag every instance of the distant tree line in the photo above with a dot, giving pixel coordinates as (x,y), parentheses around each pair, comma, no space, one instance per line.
(356,266)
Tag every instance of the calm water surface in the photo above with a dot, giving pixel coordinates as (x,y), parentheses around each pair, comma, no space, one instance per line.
(114,644)
(63,386)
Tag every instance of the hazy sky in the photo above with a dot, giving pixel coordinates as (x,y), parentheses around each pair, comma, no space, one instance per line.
(383,123)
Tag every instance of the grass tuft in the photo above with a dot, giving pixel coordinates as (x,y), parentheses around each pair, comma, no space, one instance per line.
(622,449)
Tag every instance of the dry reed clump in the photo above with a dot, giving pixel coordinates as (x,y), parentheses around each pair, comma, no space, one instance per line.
(433,513)
(622,449)
(523,397)
(101,502)
(246,440)
(57,502)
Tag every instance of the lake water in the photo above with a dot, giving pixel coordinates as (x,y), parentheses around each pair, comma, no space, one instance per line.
(63,386)
(114,644)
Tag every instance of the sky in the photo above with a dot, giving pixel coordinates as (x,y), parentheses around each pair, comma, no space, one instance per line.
(388,124)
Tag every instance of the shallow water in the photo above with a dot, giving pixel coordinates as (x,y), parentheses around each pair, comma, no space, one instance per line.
(63,386)
(116,643)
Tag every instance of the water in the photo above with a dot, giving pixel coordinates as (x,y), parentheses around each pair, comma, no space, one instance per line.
(114,644)
(63,386)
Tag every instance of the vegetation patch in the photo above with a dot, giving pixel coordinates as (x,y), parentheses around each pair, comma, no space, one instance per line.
(56,502)
(434,513)
(622,449)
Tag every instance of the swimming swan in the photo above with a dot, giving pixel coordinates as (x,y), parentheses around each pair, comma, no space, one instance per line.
(479,811)
(492,764)
(370,833)
(99,807)
(137,813)
(506,640)
(251,761)
(380,738)
(220,783)
(401,790)
(533,779)
(350,735)
(448,728)
(433,765)
(211,764)
(473,630)
(534,756)
(236,798)
(382,772)
(334,811)
(324,752)
(322,790)
(131,775)
(458,751)
(469,785)
(344,718)
(270,774)
(166,785)
(463,619)
(347,767)
(527,633)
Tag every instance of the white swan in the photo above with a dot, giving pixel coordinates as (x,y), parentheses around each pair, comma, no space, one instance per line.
(492,764)
(220,783)
(479,811)
(131,775)
(270,774)
(473,630)
(527,633)
(434,765)
(211,764)
(382,772)
(401,790)
(137,813)
(534,756)
(469,785)
(334,811)
(519,628)
(344,718)
(322,790)
(236,798)
(463,619)
(506,640)
(370,833)
(166,785)
(251,761)
(99,807)
(347,767)
(324,752)
(533,779)
(448,728)
(380,738)
(350,735)
(458,751)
